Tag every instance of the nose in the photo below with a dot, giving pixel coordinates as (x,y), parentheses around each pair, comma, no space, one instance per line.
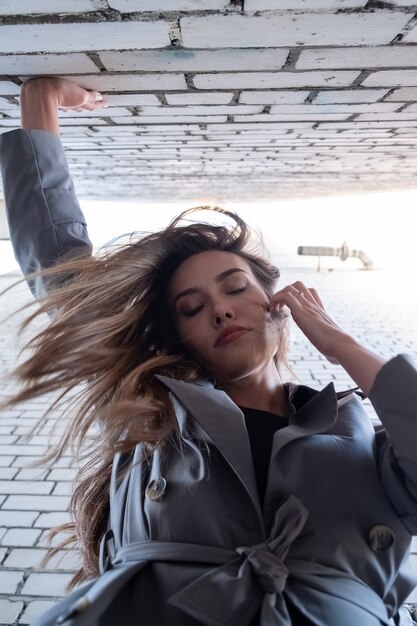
(222,312)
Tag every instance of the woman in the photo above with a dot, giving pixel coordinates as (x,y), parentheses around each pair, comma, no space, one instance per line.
(215,494)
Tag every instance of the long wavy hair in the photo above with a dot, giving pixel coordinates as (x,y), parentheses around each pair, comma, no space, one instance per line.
(110,332)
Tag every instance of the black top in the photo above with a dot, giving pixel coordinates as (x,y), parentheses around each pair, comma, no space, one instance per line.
(261,426)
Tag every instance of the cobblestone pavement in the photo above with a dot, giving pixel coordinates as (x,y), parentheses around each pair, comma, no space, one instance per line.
(378,307)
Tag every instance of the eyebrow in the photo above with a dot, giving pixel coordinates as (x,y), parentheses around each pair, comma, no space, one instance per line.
(218,279)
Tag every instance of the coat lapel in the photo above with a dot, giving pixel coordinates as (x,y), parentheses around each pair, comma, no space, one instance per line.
(223,422)
(312,412)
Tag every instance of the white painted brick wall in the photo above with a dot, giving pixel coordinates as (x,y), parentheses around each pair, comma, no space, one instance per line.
(27,7)
(214,97)
(358,57)
(83,37)
(351,97)
(259,80)
(292,30)
(182,60)
(308,5)
(129,6)
(14,64)
(401,78)
(132,82)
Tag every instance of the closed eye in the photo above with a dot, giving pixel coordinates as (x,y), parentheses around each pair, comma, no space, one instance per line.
(193,312)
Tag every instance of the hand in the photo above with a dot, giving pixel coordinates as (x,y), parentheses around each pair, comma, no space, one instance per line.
(41,98)
(309,314)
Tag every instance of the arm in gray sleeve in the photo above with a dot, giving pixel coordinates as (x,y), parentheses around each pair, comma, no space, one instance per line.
(45,220)
(394,397)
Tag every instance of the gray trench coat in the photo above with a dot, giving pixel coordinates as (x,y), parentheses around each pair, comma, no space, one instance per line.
(188,542)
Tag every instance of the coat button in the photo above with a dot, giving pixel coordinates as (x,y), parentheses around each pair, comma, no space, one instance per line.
(381,538)
(156,489)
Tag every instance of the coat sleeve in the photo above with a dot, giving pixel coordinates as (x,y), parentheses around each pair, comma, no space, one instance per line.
(45,220)
(394,397)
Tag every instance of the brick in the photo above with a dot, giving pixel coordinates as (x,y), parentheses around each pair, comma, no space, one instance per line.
(182,60)
(80,37)
(295,5)
(166,5)
(132,82)
(7,88)
(132,100)
(66,474)
(9,518)
(8,473)
(23,450)
(41,584)
(35,609)
(381,107)
(257,80)
(8,7)
(25,486)
(403,94)
(64,560)
(175,119)
(307,29)
(31,473)
(6,461)
(9,610)
(21,537)
(215,97)
(9,581)
(359,57)
(350,96)
(24,558)
(42,503)
(33,64)
(391,78)
(411,36)
(273,97)
(49,520)
(301,117)
(205,110)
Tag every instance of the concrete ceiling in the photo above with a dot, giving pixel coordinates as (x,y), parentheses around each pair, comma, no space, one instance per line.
(218,100)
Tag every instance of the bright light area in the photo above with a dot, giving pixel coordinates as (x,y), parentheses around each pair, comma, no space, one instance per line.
(381,225)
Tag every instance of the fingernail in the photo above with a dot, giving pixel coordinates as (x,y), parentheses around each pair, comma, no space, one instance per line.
(98,97)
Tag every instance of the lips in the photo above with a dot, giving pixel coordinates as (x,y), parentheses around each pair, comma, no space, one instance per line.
(230,334)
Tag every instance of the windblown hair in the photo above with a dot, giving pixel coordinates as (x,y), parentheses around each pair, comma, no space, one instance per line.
(110,332)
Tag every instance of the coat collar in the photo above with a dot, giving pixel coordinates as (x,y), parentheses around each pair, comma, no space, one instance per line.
(224,425)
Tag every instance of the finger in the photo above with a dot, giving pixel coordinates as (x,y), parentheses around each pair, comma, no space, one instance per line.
(302,290)
(317,297)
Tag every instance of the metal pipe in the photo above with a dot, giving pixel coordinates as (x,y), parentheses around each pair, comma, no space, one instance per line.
(343,253)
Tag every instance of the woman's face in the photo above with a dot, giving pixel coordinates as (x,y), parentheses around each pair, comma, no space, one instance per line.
(222,315)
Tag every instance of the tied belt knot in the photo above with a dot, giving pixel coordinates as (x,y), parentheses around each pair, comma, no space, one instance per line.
(269,570)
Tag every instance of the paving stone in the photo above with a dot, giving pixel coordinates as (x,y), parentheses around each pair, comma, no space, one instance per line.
(306,29)
(41,584)
(41,503)
(34,610)
(23,518)
(9,611)
(25,558)
(21,536)
(82,37)
(9,581)
(25,486)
